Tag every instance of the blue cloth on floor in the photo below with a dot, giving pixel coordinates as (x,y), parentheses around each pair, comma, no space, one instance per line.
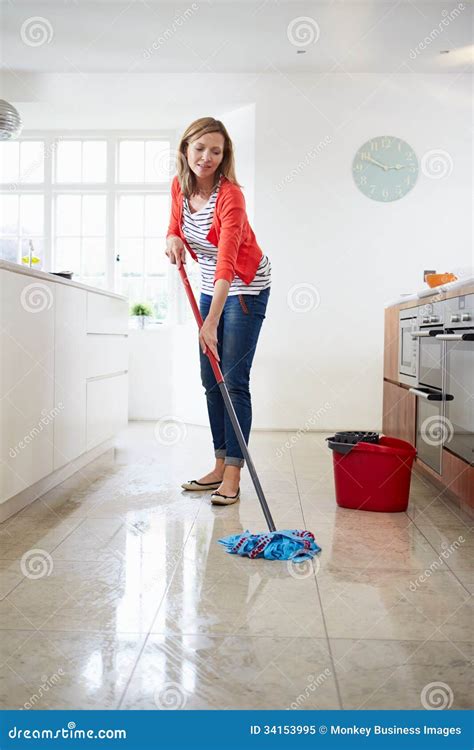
(273,545)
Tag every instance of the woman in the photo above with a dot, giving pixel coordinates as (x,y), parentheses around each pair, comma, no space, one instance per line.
(208,217)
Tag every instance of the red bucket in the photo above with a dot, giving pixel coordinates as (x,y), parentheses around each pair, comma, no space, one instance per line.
(374,476)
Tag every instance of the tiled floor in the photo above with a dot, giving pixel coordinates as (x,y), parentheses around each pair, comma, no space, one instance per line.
(115,594)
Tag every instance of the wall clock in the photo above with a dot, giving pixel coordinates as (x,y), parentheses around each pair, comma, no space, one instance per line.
(385,168)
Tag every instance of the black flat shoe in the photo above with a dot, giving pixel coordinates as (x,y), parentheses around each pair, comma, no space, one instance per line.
(200,486)
(217,498)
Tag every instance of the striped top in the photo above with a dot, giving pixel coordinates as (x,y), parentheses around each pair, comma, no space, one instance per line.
(196,227)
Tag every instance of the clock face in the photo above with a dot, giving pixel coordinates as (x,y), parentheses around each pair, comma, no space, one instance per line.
(385,168)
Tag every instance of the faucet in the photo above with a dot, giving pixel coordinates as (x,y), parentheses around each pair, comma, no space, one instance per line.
(31,258)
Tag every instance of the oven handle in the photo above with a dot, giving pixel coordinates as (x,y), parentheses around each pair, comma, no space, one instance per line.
(426,333)
(455,336)
(431,395)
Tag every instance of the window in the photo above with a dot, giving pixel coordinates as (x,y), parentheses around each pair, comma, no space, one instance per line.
(143,221)
(22,162)
(81,161)
(144,161)
(79,236)
(22,205)
(94,204)
(21,228)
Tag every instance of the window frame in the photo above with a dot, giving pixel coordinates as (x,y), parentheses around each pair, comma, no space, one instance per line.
(111,188)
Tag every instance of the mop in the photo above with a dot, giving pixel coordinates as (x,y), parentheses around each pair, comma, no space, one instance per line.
(289,544)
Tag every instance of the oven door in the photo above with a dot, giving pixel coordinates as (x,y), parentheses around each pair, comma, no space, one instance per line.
(429,426)
(408,351)
(459,382)
(430,363)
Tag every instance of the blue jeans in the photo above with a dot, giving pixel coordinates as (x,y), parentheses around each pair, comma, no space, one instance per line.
(237,336)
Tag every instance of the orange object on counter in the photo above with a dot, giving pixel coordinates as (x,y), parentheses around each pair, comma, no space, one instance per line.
(436,279)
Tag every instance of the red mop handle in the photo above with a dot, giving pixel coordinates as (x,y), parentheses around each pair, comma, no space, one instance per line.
(197,314)
(229,406)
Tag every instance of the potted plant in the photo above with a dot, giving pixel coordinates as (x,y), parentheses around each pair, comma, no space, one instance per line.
(141,311)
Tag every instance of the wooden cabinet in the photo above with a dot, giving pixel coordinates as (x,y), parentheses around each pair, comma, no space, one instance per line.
(399,412)
(458,475)
(456,478)
(400,406)
(390,353)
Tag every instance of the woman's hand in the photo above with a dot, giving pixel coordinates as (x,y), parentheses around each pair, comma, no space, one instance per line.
(176,251)
(208,336)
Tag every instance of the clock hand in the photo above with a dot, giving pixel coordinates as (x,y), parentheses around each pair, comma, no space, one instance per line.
(384,166)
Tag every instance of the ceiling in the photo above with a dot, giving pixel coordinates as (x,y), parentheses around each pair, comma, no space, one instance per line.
(224,36)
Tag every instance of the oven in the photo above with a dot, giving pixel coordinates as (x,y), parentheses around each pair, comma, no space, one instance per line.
(429,390)
(430,354)
(458,339)
(408,346)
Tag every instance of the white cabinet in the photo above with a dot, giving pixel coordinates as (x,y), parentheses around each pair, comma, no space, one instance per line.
(106,314)
(63,376)
(107,410)
(107,368)
(27,408)
(106,355)
(70,374)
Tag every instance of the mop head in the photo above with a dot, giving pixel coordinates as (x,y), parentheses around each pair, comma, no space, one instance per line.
(292,545)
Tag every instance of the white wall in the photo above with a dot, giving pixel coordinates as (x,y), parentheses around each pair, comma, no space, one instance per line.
(321,368)
(240,124)
(356,252)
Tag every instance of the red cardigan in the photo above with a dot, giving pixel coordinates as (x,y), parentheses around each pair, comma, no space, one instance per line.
(238,252)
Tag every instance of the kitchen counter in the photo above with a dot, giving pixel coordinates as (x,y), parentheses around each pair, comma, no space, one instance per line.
(63,379)
(441,429)
(444,291)
(45,276)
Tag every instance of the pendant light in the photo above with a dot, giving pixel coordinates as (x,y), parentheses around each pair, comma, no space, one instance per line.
(10,121)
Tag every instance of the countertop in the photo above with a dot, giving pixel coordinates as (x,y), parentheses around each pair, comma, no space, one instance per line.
(44,276)
(444,291)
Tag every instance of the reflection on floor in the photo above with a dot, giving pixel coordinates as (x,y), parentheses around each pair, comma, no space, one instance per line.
(115,593)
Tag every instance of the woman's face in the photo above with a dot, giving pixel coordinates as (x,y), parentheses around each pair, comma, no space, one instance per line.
(205,154)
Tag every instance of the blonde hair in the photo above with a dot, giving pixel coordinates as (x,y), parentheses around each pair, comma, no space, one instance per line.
(186,177)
